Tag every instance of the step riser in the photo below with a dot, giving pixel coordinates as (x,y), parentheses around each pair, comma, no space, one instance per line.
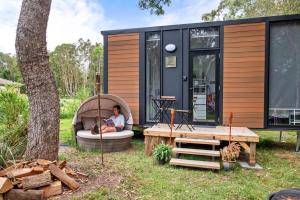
(197,141)
(195,164)
(198,152)
(201,167)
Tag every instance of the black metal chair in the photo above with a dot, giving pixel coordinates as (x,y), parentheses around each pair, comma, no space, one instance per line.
(186,119)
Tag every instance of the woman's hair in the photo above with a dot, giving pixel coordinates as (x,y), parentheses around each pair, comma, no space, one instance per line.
(117,107)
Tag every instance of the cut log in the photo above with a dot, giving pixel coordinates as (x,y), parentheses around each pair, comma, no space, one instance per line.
(35,181)
(59,174)
(32,164)
(80,174)
(54,189)
(1,197)
(10,168)
(16,182)
(5,185)
(19,194)
(38,169)
(19,173)
(43,162)
(69,171)
(61,164)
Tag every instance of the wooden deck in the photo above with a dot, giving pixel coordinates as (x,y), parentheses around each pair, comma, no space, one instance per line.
(239,134)
(161,133)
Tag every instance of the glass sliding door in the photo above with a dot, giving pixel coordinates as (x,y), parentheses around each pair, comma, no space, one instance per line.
(284,74)
(153,56)
(203,86)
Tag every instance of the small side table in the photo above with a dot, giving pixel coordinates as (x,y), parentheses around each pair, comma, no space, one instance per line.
(161,107)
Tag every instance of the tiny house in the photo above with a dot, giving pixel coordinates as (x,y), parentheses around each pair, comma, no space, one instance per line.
(250,67)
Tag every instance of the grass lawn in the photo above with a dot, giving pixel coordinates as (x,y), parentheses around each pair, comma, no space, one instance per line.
(66,135)
(132,175)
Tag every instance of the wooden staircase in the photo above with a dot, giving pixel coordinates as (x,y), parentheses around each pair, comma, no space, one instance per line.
(199,152)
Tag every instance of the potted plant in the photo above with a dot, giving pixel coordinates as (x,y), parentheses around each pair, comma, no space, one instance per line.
(162,153)
(229,155)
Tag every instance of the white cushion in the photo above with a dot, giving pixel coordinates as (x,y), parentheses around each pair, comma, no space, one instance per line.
(112,135)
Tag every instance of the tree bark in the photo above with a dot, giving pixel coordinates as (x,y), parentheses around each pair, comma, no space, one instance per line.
(33,60)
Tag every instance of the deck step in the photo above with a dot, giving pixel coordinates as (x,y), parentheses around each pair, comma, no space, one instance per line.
(195,163)
(200,152)
(197,141)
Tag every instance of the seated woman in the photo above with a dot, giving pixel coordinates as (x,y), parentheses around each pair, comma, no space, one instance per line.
(117,118)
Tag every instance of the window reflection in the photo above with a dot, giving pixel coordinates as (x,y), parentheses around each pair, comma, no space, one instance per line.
(204,84)
(204,38)
(284,74)
(152,72)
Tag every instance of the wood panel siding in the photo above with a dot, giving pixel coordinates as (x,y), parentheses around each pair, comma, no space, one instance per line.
(244,74)
(123,69)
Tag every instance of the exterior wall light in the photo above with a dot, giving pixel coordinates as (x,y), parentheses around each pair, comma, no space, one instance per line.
(170,48)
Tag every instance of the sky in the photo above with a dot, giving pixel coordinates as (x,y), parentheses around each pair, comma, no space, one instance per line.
(70,20)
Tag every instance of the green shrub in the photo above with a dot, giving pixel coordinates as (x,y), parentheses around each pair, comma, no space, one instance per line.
(68,107)
(162,153)
(82,94)
(13,124)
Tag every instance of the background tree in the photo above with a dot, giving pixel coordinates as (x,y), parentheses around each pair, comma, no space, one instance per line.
(155,6)
(32,57)
(96,59)
(8,68)
(90,57)
(66,69)
(75,65)
(233,9)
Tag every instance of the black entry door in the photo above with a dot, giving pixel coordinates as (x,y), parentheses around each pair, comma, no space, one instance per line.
(204,86)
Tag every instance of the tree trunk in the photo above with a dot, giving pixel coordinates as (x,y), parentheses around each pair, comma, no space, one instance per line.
(31,49)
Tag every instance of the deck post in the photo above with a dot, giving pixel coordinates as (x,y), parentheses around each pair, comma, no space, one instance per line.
(252,155)
(152,141)
(298,141)
(280,136)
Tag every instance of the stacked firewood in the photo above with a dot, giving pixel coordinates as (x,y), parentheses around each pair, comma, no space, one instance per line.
(38,179)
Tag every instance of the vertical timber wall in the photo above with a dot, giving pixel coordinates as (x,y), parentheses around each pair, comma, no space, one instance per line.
(123,69)
(244,74)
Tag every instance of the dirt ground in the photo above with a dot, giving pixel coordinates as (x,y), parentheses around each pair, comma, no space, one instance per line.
(99,176)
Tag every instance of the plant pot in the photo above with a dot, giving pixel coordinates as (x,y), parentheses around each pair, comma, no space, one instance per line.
(161,162)
(228,166)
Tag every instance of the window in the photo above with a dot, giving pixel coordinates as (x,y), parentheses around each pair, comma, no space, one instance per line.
(204,38)
(152,72)
(284,74)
